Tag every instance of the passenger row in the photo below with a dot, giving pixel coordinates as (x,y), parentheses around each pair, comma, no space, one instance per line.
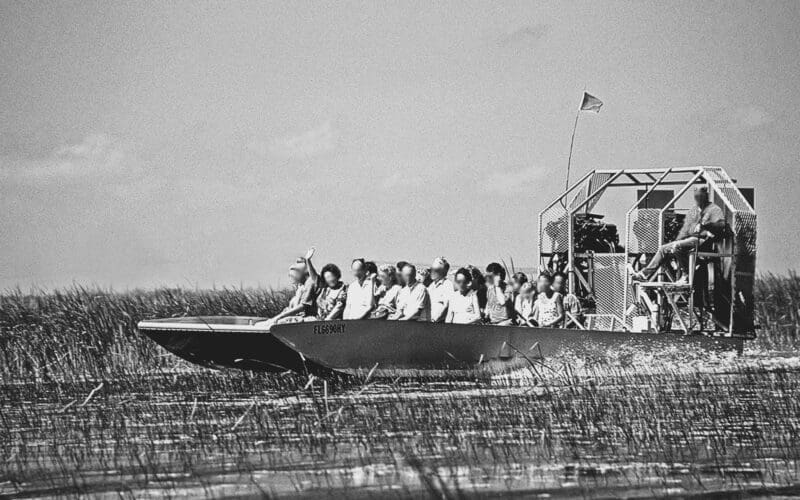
(402,293)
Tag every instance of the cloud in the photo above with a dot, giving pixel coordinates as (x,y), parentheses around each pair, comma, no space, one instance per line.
(524,35)
(96,155)
(314,142)
(746,118)
(516,182)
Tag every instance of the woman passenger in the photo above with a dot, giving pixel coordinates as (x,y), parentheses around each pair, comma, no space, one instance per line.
(386,292)
(463,307)
(424,276)
(479,286)
(303,303)
(332,298)
(549,307)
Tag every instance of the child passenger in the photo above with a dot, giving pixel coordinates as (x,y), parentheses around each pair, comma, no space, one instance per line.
(571,303)
(517,280)
(500,301)
(523,305)
(464,307)
(549,308)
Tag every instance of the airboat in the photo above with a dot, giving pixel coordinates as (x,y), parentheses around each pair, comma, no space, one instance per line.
(711,311)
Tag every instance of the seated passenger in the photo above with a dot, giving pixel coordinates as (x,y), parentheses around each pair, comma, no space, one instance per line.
(463,306)
(386,293)
(372,270)
(523,305)
(360,294)
(548,311)
(517,280)
(304,301)
(500,301)
(703,222)
(479,285)
(400,265)
(413,303)
(440,290)
(571,303)
(424,276)
(333,296)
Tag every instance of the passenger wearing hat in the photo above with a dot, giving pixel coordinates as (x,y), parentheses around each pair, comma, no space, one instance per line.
(440,289)
(703,222)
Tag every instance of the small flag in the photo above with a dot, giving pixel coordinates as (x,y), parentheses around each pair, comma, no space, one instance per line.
(591,103)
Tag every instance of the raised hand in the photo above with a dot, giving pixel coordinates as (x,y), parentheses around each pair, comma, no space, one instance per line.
(309,253)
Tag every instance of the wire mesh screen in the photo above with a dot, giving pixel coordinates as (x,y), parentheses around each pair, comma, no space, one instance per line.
(579,198)
(601,322)
(595,182)
(643,235)
(744,227)
(554,230)
(609,283)
(725,185)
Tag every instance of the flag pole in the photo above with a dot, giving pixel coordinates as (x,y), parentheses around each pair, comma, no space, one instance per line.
(570,263)
(572,142)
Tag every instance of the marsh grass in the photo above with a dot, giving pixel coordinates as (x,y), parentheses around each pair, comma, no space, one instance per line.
(91,407)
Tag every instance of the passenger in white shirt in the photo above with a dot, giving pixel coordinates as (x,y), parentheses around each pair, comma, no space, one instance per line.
(464,307)
(360,293)
(440,290)
(413,303)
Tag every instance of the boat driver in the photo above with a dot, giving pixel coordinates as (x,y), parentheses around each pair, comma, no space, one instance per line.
(703,222)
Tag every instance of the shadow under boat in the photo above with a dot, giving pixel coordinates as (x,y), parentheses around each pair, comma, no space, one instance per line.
(324,347)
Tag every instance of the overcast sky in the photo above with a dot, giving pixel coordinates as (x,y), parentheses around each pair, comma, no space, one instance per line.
(211,143)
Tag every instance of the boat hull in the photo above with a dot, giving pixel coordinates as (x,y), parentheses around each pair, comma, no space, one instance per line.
(350,346)
(324,347)
(225,342)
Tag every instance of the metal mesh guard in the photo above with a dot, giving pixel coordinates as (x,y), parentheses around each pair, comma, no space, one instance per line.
(554,231)
(745,229)
(644,224)
(609,283)
(728,189)
(601,322)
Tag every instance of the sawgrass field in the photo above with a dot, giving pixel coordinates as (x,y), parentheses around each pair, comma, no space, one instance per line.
(90,407)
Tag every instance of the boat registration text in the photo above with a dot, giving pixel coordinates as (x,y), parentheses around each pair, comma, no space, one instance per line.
(329,329)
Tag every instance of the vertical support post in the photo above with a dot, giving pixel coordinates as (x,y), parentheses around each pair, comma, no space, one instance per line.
(692,264)
(571,251)
(628,239)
